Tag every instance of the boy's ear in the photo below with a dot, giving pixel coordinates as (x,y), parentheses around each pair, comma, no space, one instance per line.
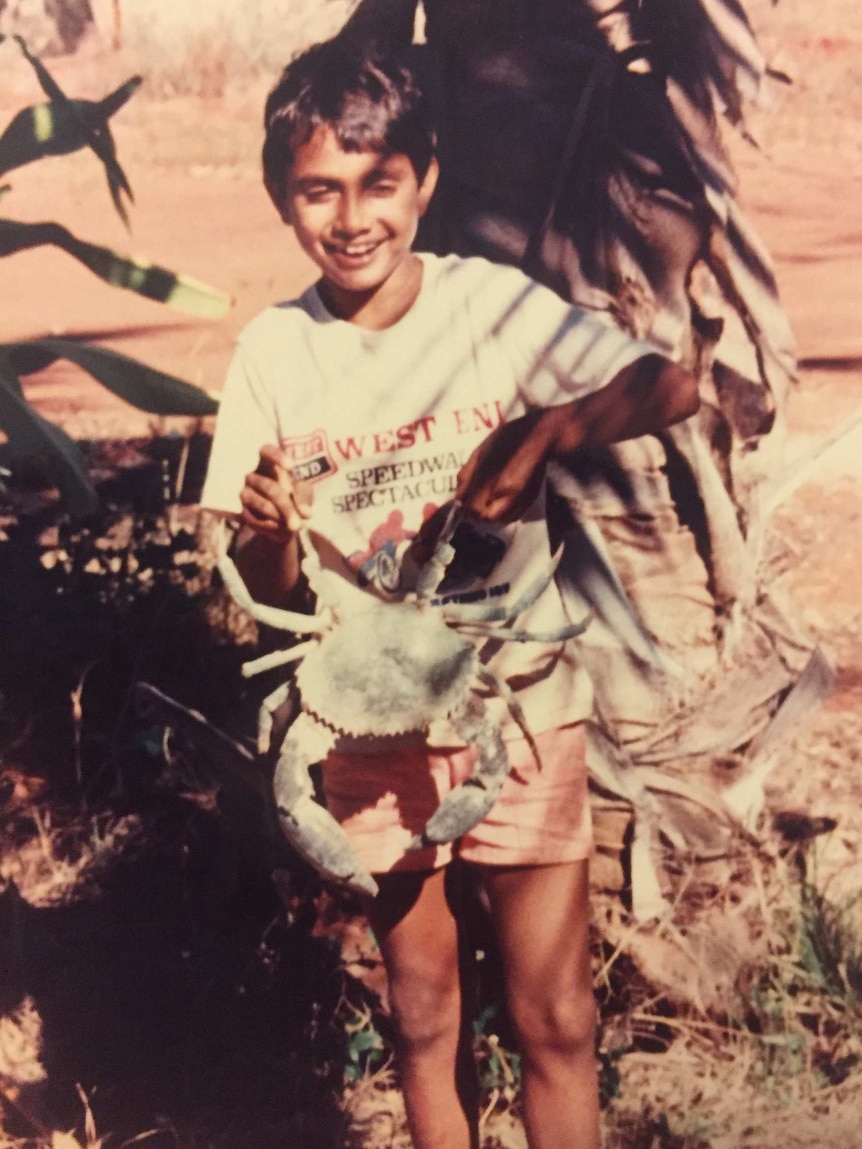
(429,183)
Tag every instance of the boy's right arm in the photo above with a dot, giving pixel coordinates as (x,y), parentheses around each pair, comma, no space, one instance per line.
(267,553)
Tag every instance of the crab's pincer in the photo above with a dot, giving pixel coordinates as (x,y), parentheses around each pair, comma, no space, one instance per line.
(467,804)
(315,835)
(308,826)
(458,813)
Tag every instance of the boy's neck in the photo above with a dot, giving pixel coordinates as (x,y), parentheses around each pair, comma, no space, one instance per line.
(381,307)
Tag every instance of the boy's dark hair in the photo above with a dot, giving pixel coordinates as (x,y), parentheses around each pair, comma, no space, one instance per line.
(372,103)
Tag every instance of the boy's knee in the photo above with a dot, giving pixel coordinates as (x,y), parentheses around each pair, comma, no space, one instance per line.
(565,1022)
(425,1014)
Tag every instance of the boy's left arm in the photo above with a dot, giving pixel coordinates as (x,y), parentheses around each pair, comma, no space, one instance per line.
(502,476)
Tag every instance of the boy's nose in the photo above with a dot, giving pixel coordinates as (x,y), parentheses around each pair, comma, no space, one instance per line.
(352,218)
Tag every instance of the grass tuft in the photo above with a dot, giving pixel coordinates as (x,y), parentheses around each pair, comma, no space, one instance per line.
(185,49)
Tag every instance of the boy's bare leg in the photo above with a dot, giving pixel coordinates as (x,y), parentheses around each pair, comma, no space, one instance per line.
(541,915)
(415,926)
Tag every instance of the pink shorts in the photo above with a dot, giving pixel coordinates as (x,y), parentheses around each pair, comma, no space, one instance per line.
(541,817)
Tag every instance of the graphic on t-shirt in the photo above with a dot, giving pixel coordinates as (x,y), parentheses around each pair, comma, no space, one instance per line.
(386,484)
(380,563)
(311,457)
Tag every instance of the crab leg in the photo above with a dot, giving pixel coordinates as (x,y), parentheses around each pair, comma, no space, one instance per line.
(276,658)
(432,573)
(269,615)
(467,804)
(462,614)
(504,691)
(310,829)
(559,635)
(268,708)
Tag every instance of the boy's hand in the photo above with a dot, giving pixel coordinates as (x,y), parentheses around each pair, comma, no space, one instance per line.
(274,504)
(499,481)
(502,477)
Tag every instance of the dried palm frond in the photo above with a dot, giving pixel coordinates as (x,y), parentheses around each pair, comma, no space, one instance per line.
(583,141)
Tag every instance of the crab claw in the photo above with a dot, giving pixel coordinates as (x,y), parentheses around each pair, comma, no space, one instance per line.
(310,829)
(272,616)
(467,804)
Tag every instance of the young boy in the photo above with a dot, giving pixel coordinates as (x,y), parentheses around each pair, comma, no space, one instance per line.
(396,383)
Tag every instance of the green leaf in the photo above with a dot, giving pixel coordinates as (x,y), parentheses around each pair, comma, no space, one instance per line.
(143,387)
(365,1041)
(97,137)
(191,296)
(182,292)
(29,433)
(56,129)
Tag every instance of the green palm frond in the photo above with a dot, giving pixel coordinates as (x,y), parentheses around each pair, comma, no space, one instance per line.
(95,135)
(57,129)
(30,434)
(143,387)
(182,292)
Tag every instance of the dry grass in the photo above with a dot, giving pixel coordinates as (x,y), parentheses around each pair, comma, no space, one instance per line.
(375,1109)
(63,863)
(21,1048)
(772,1060)
(819,48)
(43,1137)
(188,49)
(716,1098)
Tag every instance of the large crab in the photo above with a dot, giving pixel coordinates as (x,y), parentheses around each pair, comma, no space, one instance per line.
(386,668)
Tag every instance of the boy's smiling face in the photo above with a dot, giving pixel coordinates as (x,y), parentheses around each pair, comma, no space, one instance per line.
(356,214)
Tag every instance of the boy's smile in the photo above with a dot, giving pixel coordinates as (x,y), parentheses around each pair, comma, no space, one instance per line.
(356,214)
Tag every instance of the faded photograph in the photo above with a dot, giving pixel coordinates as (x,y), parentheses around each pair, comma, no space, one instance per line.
(428,467)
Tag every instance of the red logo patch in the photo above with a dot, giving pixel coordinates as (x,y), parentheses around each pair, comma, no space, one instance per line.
(312,460)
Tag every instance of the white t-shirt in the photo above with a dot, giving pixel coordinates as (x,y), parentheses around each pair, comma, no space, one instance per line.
(381,422)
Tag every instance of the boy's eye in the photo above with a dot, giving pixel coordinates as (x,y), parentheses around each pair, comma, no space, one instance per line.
(384,187)
(318,194)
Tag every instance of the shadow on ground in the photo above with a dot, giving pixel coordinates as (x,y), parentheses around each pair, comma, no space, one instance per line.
(175,986)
